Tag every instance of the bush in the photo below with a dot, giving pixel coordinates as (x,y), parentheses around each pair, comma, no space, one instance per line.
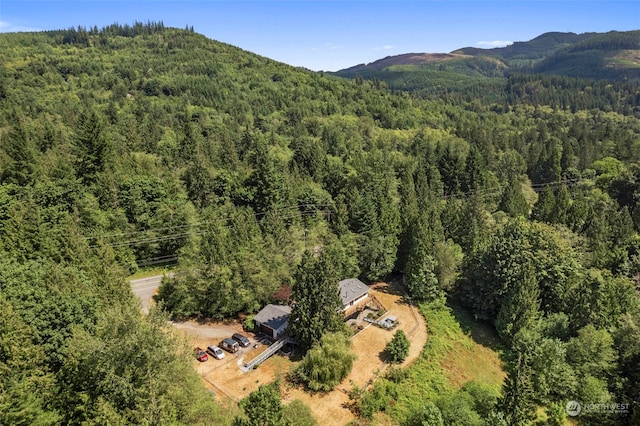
(398,347)
(381,397)
(326,364)
(249,323)
(299,414)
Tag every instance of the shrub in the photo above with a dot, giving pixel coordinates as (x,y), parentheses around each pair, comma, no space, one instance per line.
(327,363)
(249,323)
(398,347)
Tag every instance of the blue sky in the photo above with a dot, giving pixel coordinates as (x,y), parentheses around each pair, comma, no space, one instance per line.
(331,34)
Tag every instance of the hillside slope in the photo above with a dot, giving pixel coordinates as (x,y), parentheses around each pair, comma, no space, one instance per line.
(139,144)
(613,55)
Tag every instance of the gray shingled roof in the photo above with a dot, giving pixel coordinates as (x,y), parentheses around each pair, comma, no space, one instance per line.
(352,289)
(273,316)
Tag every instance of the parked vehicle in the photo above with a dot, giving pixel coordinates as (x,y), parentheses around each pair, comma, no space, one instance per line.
(215,351)
(201,355)
(230,345)
(244,342)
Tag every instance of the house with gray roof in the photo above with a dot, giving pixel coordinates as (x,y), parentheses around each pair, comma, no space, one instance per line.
(352,292)
(273,320)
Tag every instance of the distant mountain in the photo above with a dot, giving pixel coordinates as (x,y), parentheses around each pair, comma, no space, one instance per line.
(525,52)
(405,59)
(612,55)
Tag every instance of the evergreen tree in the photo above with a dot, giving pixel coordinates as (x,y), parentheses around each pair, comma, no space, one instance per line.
(25,386)
(270,189)
(517,400)
(92,147)
(520,310)
(513,202)
(19,148)
(544,208)
(316,309)
(421,277)
(398,347)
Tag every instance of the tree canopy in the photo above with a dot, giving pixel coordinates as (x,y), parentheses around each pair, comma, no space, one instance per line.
(133,145)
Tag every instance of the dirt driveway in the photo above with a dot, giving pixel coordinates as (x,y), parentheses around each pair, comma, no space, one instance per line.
(231,384)
(368,346)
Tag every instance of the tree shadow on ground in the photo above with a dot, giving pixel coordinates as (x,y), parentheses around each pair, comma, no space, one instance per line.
(481,331)
(384,356)
(394,286)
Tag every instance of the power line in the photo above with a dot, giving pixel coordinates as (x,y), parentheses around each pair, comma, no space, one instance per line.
(193,225)
(196,231)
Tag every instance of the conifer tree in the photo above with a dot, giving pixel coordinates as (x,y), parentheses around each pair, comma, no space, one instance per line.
(543,208)
(513,202)
(517,401)
(421,277)
(91,146)
(520,310)
(398,347)
(19,148)
(316,300)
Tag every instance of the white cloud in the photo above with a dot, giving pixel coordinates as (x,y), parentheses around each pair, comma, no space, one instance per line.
(385,47)
(7,27)
(327,46)
(494,43)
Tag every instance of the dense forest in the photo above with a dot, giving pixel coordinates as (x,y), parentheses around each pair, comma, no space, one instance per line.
(517,198)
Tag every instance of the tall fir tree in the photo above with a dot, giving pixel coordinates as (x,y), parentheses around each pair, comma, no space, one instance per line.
(517,400)
(20,150)
(520,310)
(316,309)
(92,146)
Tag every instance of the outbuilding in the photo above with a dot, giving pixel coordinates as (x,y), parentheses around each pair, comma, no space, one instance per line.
(273,320)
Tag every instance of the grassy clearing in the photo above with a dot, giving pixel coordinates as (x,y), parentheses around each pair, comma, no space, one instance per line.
(458,350)
(476,352)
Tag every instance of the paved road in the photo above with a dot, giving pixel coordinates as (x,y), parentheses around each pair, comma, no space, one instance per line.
(145,288)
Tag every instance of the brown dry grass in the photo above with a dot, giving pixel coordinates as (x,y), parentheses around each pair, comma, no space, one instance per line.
(332,408)
(231,384)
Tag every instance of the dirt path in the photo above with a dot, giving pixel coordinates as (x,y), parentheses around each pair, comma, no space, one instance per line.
(368,345)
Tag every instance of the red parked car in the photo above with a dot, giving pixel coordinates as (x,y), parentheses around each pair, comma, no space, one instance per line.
(201,355)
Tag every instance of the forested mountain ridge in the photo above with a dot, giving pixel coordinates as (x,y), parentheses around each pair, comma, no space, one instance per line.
(613,55)
(535,49)
(133,144)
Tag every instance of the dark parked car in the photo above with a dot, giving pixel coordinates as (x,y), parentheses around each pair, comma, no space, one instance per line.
(201,355)
(244,342)
(230,345)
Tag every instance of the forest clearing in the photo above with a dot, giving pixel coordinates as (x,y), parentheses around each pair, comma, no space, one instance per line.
(231,384)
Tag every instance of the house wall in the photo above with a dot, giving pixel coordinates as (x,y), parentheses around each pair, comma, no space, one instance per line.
(355,302)
(267,330)
(274,334)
